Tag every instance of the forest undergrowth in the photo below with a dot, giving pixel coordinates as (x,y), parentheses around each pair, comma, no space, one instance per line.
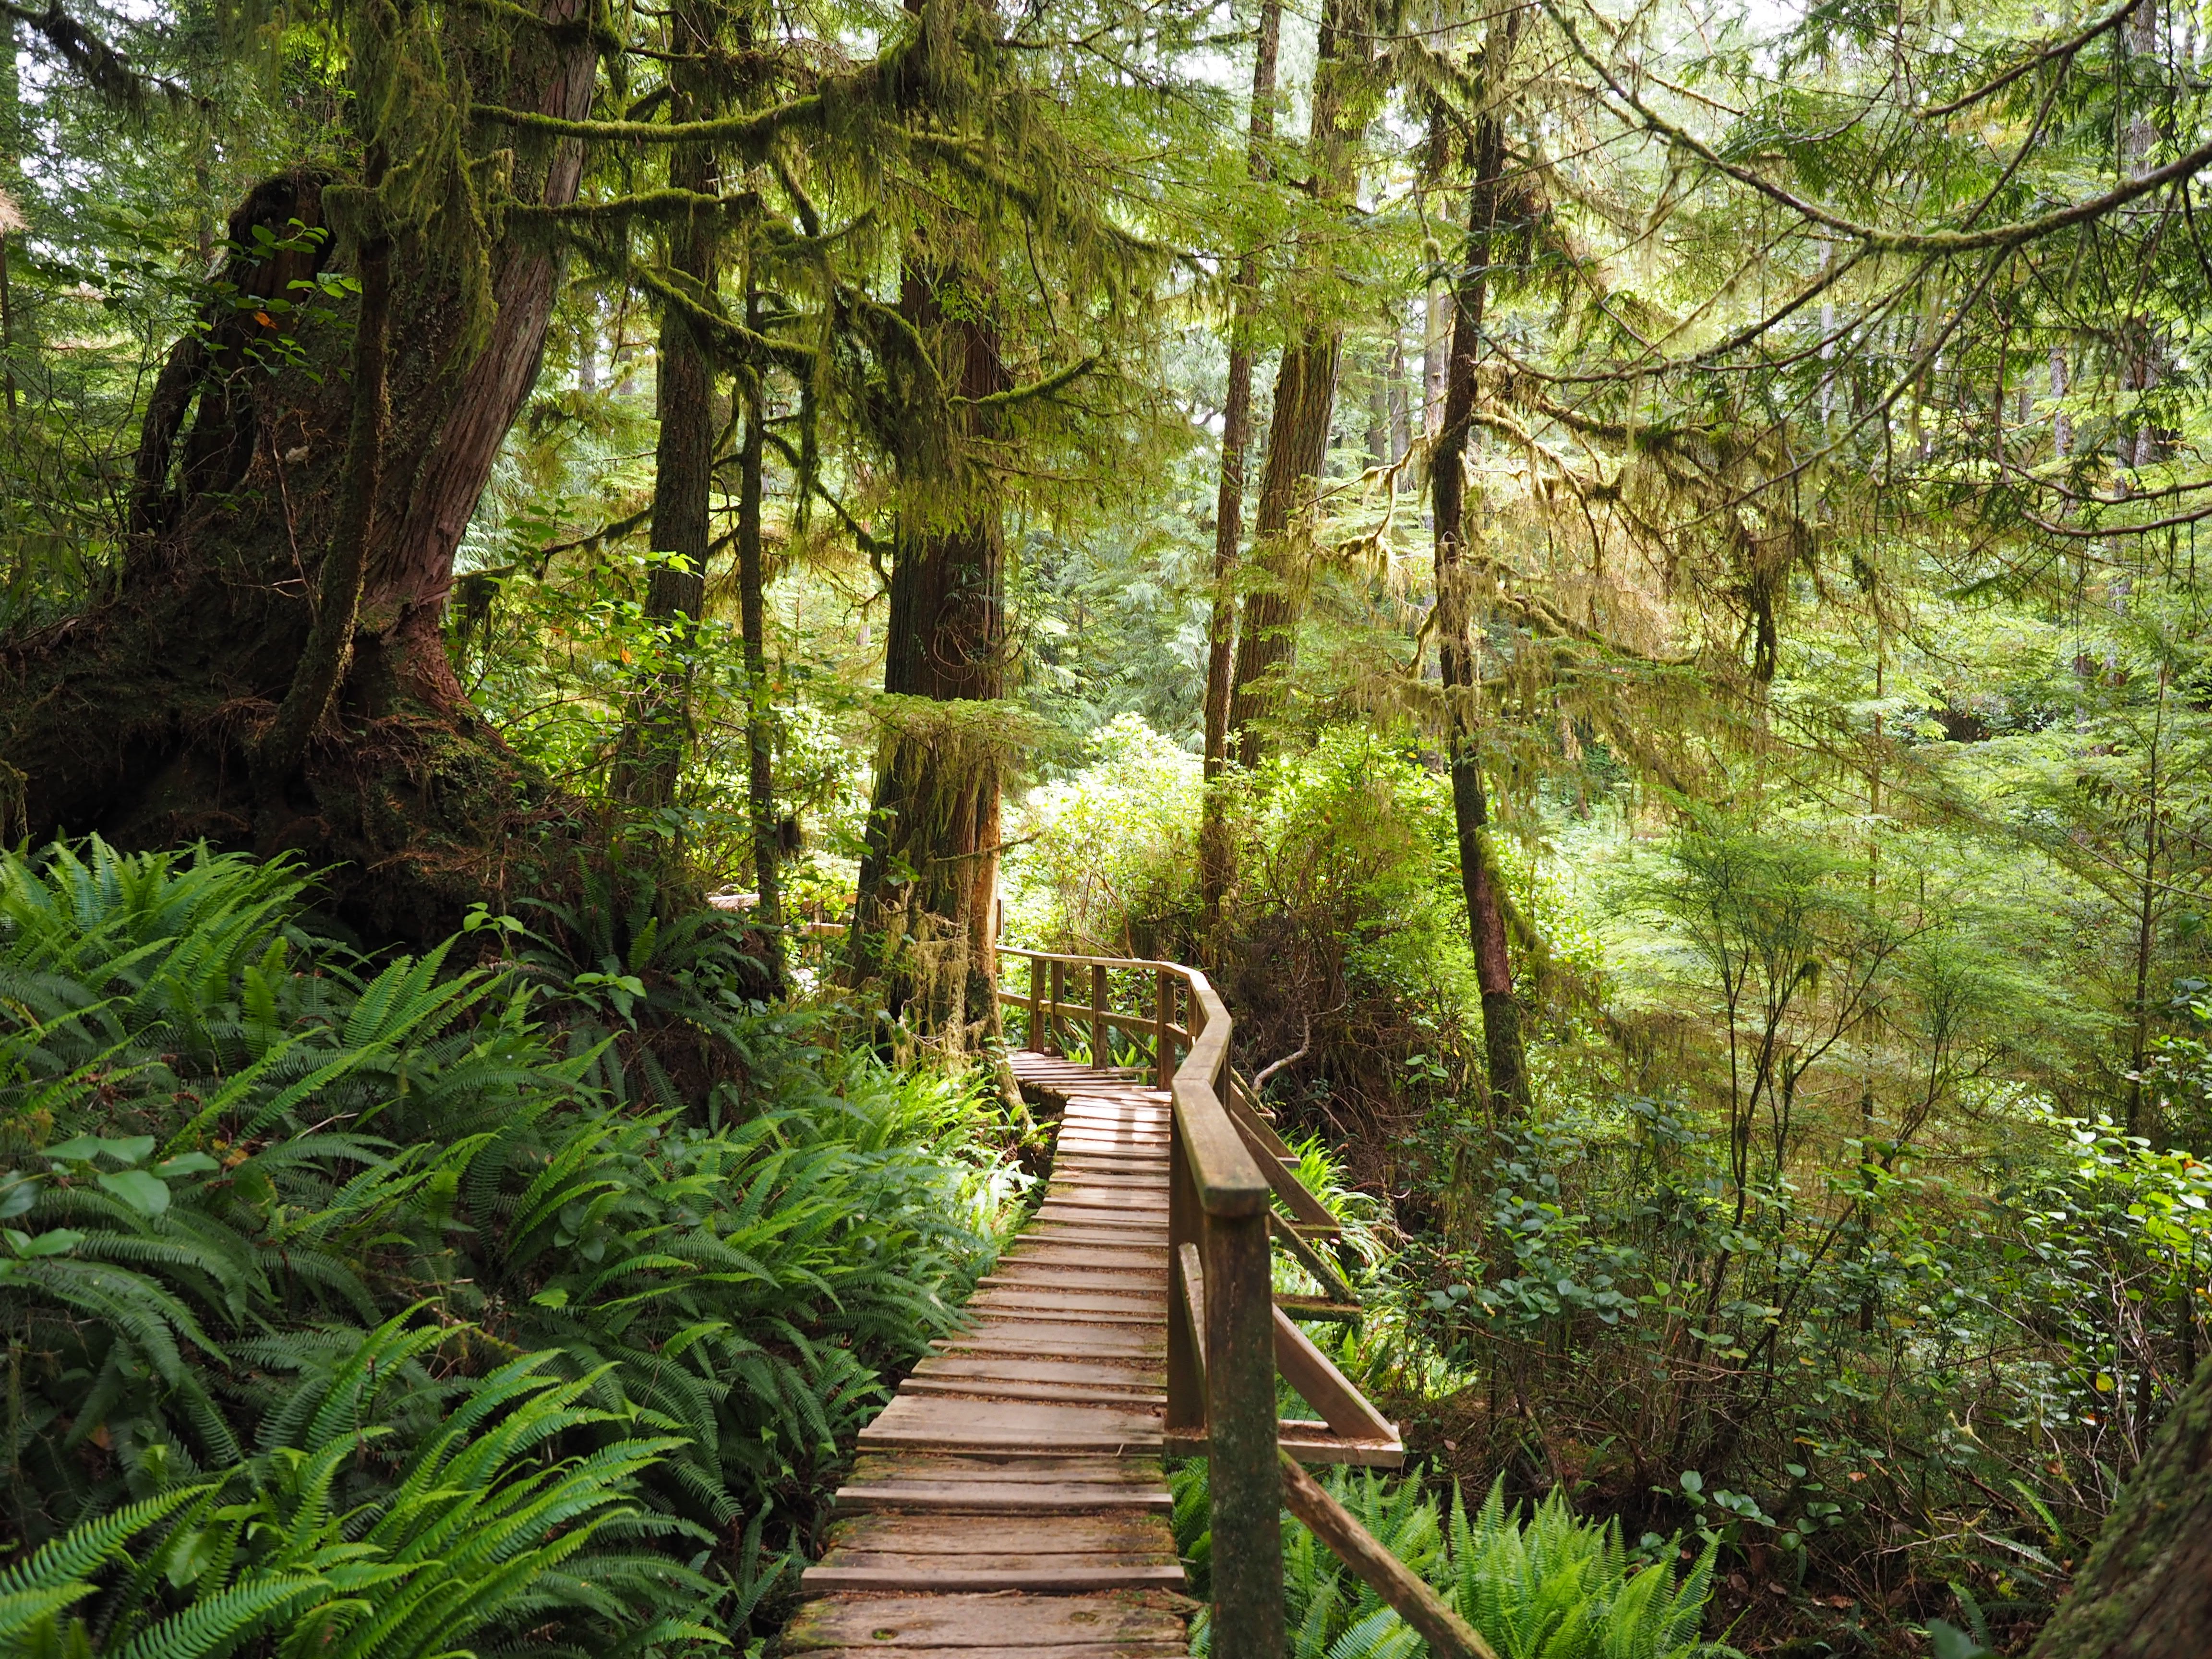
(396,1305)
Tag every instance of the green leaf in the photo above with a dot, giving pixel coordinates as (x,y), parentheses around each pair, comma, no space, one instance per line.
(144,1192)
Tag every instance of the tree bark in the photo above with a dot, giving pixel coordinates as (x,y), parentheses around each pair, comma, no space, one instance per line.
(1305,400)
(2146,1590)
(1486,912)
(139,719)
(659,735)
(929,871)
(1216,849)
(752,622)
(337,606)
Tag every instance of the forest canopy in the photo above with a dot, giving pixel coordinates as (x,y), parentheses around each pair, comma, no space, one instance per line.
(1623,577)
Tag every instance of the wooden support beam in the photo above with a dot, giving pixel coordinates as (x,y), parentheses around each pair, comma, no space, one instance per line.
(1325,1271)
(1311,1212)
(1192,1281)
(1447,1635)
(1325,1388)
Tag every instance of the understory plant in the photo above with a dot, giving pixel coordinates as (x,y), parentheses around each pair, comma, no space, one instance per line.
(1542,1584)
(317,1241)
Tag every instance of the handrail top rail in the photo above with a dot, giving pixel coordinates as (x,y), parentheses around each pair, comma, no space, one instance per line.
(1076,960)
(1229,1179)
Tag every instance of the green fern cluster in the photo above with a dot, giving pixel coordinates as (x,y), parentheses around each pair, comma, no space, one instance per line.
(1548,1585)
(273,1214)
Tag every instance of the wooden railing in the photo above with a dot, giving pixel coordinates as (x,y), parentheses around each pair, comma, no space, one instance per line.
(1229,1334)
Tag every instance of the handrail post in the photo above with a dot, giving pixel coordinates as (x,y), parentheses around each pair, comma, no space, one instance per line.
(1163,1045)
(1244,1473)
(1037,1040)
(1186,1412)
(1101,1043)
(1052,1018)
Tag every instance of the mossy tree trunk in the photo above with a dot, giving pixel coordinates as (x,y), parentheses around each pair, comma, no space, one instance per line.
(1487,201)
(929,874)
(660,731)
(1304,405)
(752,624)
(2146,1590)
(1216,850)
(141,717)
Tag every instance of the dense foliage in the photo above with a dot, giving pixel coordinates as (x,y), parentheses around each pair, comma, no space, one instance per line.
(352,1302)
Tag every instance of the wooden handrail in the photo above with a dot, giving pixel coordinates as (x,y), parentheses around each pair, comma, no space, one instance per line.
(1226,1336)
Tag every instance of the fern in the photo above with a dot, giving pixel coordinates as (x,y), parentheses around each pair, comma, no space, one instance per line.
(1550,1586)
(381,1261)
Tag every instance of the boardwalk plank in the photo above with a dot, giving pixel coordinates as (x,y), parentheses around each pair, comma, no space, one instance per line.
(970,1621)
(1075,1535)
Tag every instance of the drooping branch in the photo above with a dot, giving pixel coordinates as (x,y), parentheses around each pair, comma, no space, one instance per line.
(2015,234)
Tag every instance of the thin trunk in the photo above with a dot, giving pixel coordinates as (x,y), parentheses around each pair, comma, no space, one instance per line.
(7,329)
(1305,398)
(1479,878)
(760,738)
(2146,917)
(11,215)
(1216,850)
(659,728)
(1297,449)
(1401,417)
(1436,346)
(329,651)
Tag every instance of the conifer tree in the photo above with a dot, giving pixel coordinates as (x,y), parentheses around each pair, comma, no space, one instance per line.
(1305,402)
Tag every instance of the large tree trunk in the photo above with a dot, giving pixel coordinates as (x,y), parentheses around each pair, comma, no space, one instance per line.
(140,719)
(1297,449)
(1305,401)
(2146,1590)
(1216,850)
(929,872)
(1455,599)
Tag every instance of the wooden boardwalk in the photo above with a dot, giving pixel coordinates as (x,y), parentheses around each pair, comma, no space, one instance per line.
(1010,1497)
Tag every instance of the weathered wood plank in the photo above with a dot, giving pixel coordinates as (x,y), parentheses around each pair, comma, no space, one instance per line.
(1138,1304)
(942,1576)
(1073,1534)
(897,1621)
(1091,1279)
(914,1419)
(1135,1374)
(1036,1339)
(1005,1466)
(1003,1498)
(974,1388)
(1054,1650)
